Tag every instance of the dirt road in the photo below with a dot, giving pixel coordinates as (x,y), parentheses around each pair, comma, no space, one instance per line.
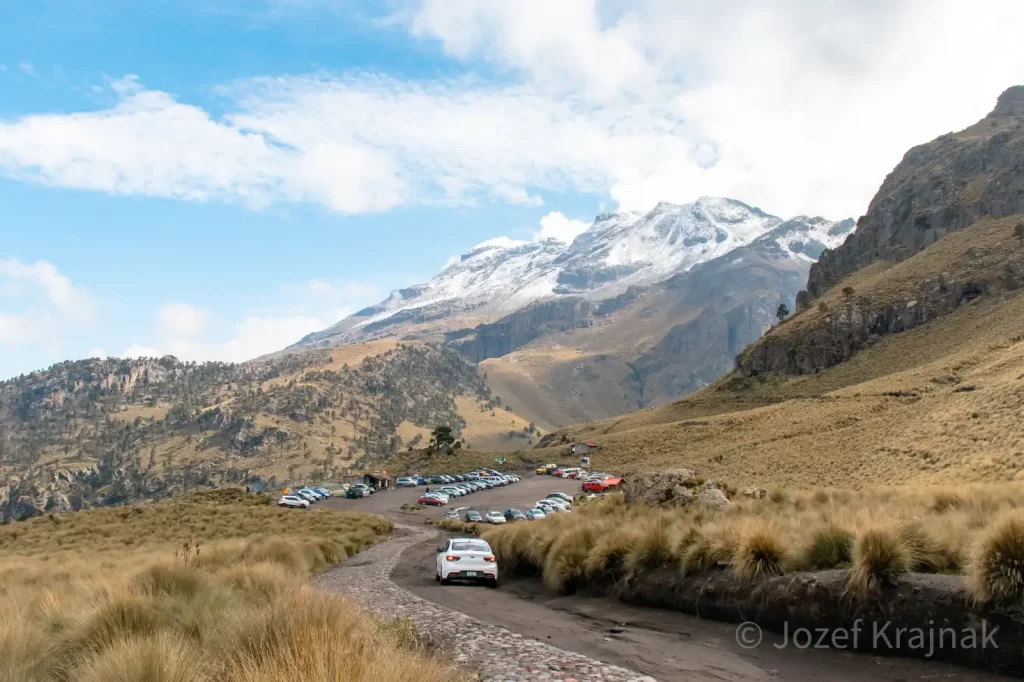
(666,645)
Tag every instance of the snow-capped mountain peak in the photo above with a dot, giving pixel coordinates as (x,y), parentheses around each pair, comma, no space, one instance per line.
(619,250)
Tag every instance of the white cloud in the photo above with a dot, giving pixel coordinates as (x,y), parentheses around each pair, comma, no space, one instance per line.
(184,330)
(73,302)
(97,353)
(181,321)
(17,330)
(258,336)
(557,226)
(26,68)
(796,106)
(137,351)
(557,42)
(253,337)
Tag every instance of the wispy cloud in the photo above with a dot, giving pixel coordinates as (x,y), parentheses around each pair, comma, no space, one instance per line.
(27,68)
(186,331)
(19,279)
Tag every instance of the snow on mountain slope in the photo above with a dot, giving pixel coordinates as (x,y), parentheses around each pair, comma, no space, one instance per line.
(619,250)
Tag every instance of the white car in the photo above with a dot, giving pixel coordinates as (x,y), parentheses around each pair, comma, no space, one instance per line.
(494,517)
(466,559)
(406,482)
(560,496)
(452,491)
(309,497)
(555,505)
(292,501)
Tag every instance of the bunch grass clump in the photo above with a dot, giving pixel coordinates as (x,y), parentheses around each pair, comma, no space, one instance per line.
(996,569)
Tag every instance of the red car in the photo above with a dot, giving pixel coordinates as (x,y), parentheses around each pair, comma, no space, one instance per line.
(601,485)
(559,472)
(434,501)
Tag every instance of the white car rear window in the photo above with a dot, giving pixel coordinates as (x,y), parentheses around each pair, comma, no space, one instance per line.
(470,547)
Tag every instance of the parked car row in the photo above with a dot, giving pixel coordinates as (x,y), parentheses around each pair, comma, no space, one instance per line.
(563,471)
(359,490)
(474,481)
(303,497)
(552,504)
(447,479)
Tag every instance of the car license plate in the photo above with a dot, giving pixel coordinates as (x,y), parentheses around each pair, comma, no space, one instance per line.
(472,574)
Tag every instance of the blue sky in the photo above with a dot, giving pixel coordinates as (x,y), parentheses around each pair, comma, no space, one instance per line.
(217,179)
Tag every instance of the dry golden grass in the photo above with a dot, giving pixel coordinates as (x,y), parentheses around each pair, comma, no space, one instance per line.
(996,571)
(941,403)
(876,535)
(486,432)
(127,603)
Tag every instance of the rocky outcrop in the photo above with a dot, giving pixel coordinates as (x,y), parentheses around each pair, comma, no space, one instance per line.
(666,489)
(516,330)
(938,187)
(249,439)
(863,322)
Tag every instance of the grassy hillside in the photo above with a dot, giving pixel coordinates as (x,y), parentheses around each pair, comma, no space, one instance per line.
(97,432)
(205,587)
(940,403)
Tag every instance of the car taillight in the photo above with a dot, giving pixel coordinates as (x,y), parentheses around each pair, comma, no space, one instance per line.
(451,557)
(489,559)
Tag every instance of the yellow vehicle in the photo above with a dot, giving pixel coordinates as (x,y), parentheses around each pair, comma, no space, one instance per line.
(547,469)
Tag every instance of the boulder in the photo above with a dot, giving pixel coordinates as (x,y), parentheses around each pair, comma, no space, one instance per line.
(713,498)
(755,493)
(666,488)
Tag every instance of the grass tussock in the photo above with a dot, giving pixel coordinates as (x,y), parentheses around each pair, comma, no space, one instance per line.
(830,546)
(235,607)
(880,556)
(761,552)
(876,536)
(996,568)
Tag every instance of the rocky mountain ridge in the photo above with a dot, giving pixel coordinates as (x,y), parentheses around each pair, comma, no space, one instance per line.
(619,252)
(944,228)
(939,187)
(96,432)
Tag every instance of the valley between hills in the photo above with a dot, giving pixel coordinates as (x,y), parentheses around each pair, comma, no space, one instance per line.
(901,363)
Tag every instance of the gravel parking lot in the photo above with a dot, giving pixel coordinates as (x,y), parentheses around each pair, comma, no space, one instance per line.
(520,495)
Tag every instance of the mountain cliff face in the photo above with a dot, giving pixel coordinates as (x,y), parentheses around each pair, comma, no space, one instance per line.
(943,230)
(938,187)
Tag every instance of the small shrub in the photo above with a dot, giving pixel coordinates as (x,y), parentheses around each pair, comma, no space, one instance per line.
(161,657)
(829,547)
(566,561)
(760,553)
(996,568)
(606,560)
(171,579)
(880,556)
(713,548)
(652,547)
(926,556)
